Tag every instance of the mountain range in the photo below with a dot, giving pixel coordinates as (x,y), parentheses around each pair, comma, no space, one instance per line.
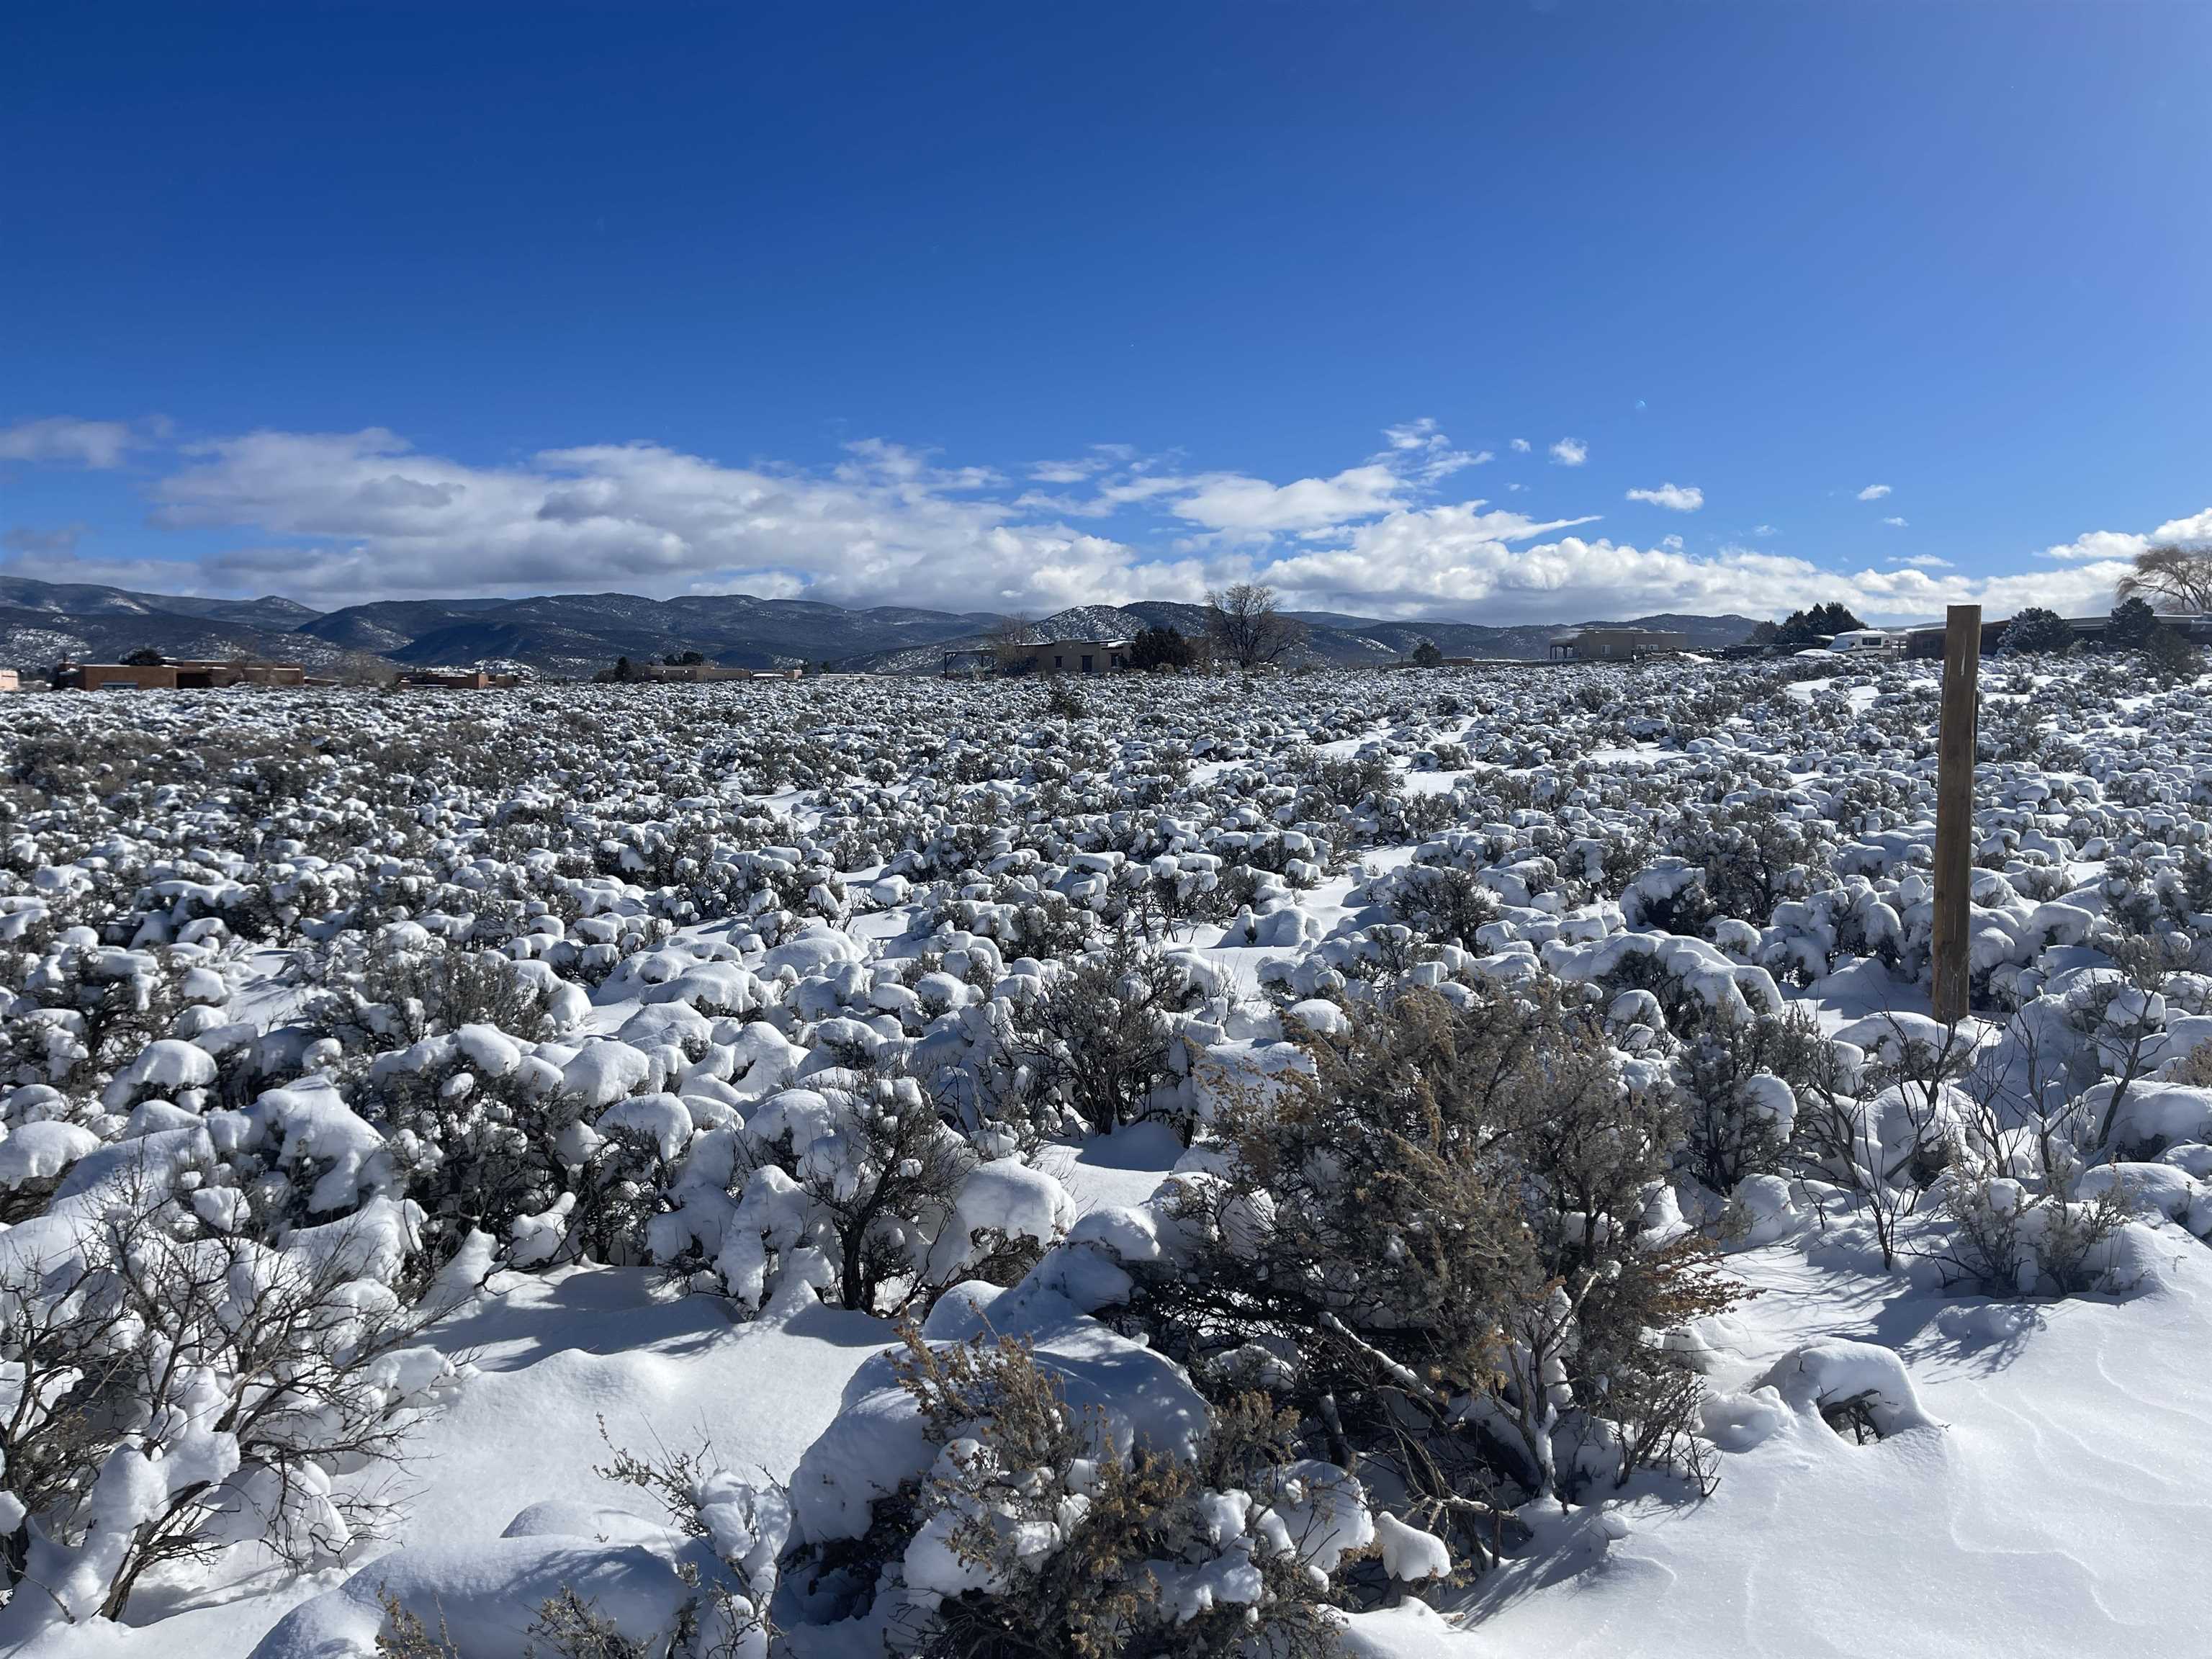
(578,634)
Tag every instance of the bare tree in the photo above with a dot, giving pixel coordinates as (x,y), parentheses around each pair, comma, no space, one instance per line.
(2172,578)
(1009,642)
(364,668)
(1245,627)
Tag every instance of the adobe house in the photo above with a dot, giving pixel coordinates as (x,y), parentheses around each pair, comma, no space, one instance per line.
(176,674)
(1615,644)
(1063,657)
(688,672)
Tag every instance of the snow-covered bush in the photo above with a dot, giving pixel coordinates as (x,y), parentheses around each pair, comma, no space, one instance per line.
(2008,1238)
(1435,1243)
(1738,1076)
(402,989)
(1099,1038)
(858,1185)
(168,1392)
(1034,1526)
(1449,905)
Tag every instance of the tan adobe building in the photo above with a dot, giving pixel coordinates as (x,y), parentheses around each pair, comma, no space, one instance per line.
(690,672)
(1063,657)
(1616,644)
(177,675)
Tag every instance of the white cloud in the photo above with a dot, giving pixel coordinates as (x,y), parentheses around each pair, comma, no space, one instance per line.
(1235,503)
(1921,561)
(338,517)
(1762,529)
(1912,593)
(1233,507)
(2195,530)
(1675,498)
(1108,495)
(87,443)
(1874,492)
(1442,560)
(1895,522)
(1519,445)
(1569,452)
(884,525)
(1421,451)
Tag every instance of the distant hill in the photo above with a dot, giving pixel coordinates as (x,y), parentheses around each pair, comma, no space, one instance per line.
(41,621)
(579,634)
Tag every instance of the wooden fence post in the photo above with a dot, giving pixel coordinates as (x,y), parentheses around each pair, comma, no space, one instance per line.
(1954,809)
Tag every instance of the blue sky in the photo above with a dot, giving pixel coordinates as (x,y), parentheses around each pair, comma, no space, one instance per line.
(1496,312)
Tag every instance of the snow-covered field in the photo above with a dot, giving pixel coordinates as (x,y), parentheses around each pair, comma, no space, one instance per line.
(1447,1161)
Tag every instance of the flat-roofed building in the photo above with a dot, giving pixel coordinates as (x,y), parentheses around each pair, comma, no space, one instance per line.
(1063,657)
(177,674)
(687,672)
(1616,644)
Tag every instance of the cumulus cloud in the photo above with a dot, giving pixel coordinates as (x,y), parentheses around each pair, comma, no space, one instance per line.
(1569,452)
(338,518)
(1675,498)
(84,443)
(2195,531)
(1520,446)
(1874,492)
(1911,593)
(1895,522)
(885,524)
(1236,503)
(1443,562)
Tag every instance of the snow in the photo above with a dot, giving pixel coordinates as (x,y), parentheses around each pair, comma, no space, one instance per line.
(1410,1555)
(2056,1510)
(722,917)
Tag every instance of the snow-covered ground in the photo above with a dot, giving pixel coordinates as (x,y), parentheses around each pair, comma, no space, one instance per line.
(618,1070)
